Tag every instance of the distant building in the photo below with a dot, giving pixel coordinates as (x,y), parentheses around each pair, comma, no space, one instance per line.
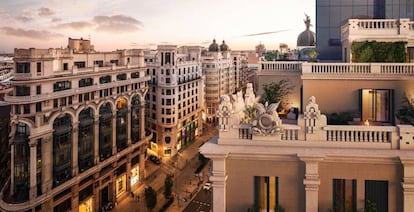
(221,76)
(331,15)
(175,98)
(77,128)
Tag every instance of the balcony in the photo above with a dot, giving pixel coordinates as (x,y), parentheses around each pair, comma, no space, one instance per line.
(47,96)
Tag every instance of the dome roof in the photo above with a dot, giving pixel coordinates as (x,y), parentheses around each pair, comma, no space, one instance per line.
(224,47)
(306,38)
(213,47)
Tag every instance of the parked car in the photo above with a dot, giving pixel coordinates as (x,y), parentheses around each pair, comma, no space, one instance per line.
(155,159)
(207,186)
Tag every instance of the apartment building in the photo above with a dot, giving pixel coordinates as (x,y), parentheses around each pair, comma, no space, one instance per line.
(77,128)
(175,97)
(269,162)
(331,15)
(221,76)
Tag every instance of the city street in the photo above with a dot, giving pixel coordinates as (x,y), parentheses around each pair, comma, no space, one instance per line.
(186,183)
(202,202)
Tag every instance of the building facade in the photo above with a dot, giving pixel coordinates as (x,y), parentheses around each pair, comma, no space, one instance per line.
(221,76)
(266,164)
(77,128)
(331,15)
(175,99)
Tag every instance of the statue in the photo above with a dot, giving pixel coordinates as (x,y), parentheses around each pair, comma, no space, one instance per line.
(267,120)
(307,22)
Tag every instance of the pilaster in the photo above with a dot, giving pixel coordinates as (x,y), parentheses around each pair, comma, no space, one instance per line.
(408,183)
(142,121)
(75,149)
(75,197)
(96,139)
(219,179)
(311,181)
(128,121)
(12,169)
(114,149)
(47,163)
(32,162)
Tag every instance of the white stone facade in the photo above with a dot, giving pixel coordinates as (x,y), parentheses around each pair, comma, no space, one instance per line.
(77,128)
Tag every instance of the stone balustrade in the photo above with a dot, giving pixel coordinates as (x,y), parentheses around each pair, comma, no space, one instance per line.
(374,26)
(356,133)
(389,70)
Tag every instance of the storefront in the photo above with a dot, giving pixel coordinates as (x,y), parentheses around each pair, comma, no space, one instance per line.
(134,174)
(120,185)
(87,205)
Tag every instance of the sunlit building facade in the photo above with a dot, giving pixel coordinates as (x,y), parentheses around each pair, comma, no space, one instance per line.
(221,76)
(77,128)
(175,97)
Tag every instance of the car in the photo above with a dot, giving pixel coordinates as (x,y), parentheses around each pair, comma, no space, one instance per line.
(207,186)
(155,159)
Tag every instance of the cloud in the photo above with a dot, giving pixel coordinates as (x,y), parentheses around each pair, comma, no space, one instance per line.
(32,34)
(56,19)
(116,23)
(44,11)
(77,25)
(25,16)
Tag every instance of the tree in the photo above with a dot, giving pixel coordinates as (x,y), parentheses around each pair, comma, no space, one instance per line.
(150,198)
(249,114)
(275,92)
(406,112)
(168,184)
(312,54)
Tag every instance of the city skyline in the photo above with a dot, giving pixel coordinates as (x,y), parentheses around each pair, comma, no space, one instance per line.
(145,24)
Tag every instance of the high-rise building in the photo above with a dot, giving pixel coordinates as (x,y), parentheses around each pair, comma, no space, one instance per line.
(175,97)
(77,128)
(332,14)
(220,76)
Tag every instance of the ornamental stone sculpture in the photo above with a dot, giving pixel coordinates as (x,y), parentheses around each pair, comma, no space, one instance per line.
(267,120)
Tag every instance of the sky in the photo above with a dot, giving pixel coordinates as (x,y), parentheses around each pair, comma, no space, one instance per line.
(125,24)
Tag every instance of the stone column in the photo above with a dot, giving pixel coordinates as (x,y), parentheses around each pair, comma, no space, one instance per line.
(96,139)
(408,183)
(128,173)
(128,121)
(12,169)
(75,149)
(219,179)
(75,197)
(142,121)
(47,163)
(142,170)
(311,181)
(114,149)
(33,158)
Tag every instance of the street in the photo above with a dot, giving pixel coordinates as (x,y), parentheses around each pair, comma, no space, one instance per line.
(202,202)
(186,183)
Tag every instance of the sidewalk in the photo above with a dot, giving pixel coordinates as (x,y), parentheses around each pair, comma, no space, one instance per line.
(185,181)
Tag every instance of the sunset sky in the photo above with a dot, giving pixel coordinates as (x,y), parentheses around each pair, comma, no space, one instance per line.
(119,24)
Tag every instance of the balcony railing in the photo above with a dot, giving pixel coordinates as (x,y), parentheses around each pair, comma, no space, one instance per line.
(377,27)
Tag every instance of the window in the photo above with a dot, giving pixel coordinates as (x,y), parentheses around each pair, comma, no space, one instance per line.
(376,192)
(38,107)
(23,67)
(65,66)
(376,105)
(60,86)
(79,64)
(344,195)
(167,139)
(38,89)
(26,109)
(55,103)
(85,82)
(105,79)
(121,77)
(39,67)
(135,75)
(22,90)
(266,192)
(98,63)
(114,62)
